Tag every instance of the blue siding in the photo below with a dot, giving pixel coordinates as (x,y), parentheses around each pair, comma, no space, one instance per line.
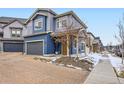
(44,18)
(50,45)
(48,42)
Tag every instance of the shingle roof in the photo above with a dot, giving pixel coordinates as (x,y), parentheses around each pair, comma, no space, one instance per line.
(10,19)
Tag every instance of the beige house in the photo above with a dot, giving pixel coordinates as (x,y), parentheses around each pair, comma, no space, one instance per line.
(91,39)
(97,45)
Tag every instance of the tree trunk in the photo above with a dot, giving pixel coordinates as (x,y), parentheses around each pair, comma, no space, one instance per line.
(122,52)
(77,45)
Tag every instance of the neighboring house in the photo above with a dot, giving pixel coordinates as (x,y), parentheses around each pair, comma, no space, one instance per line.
(91,39)
(38,34)
(97,45)
(12,32)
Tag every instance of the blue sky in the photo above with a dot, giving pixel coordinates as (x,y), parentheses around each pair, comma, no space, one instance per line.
(101,22)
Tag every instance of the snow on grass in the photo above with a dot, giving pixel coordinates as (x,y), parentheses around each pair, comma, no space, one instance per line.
(115,61)
(94,57)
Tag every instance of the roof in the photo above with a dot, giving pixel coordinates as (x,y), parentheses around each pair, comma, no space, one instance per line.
(41,9)
(35,34)
(10,19)
(97,38)
(91,34)
(12,39)
(13,22)
(74,15)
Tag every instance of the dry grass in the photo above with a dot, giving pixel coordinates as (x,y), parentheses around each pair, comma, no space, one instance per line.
(18,68)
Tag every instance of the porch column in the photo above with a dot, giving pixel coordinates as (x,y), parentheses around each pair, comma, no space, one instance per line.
(77,45)
(67,45)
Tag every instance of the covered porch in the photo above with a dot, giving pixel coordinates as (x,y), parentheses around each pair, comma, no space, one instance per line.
(72,42)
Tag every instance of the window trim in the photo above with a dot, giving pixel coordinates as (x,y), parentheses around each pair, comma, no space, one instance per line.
(16,30)
(64,25)
(59,23)
(37,21)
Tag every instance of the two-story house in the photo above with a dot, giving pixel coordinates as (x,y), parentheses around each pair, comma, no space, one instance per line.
(91,39)
(42,33)
(12,31)
(97,44)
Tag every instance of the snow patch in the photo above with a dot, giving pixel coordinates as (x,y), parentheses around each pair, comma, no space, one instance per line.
(115,61)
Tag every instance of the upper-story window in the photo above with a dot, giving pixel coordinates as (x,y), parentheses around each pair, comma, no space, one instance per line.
(38,24)
(64,23)
(61,23)
(16,32)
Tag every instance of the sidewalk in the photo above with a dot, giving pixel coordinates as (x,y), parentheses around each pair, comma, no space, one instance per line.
(103,73)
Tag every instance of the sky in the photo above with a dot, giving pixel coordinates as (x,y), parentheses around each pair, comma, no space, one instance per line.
(101,22)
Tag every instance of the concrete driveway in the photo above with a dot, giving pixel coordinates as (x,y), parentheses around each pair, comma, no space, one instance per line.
(16,68)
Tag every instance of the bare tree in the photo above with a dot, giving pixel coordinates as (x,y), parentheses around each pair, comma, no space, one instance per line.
(120,37)
(64,36)
(67,35)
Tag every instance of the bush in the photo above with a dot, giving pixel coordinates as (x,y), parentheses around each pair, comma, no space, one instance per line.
(121,74)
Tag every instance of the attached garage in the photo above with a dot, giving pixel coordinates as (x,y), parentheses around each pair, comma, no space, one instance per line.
(35,48)
(13,47)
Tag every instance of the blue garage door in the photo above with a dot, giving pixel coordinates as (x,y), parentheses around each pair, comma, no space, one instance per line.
(13,47)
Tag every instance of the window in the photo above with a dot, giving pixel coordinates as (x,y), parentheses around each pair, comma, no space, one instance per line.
(16,32)
(64,23)
(61,23)
(82,46)
(57,23)
(38,23)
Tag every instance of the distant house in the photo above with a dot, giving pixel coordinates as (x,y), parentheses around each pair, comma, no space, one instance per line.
(42,34)
(91,39)
(97,44)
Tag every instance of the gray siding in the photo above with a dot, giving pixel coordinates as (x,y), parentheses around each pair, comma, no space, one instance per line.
(16,24)
(49,22)
(70,20)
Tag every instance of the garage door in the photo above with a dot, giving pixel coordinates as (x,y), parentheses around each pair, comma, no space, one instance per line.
(35,48)
(13,47)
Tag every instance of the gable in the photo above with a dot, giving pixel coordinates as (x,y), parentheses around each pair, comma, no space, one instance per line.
(14,23)
(43,12)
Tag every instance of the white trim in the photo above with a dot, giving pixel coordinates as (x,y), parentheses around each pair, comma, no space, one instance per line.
(33,41)
(36,21)
(37,14)
(1,45)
